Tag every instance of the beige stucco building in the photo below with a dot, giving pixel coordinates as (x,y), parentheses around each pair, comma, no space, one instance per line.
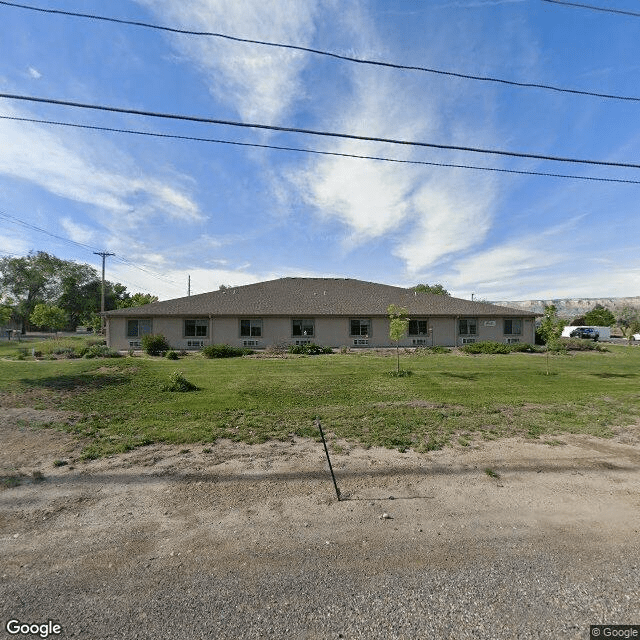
(331,312)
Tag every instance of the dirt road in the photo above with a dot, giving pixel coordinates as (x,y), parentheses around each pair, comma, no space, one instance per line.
(249,541)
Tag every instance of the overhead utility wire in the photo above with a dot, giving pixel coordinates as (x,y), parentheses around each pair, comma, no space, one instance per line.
(594,8)
(328,134)
(28,225)
(311,151)
(320,52)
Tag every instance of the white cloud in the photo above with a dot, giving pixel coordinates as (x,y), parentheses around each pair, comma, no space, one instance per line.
(34,73)
(78,232)
(95,174)
(173,283)
(429,213)
(454,214)
(13,245)
(259,82)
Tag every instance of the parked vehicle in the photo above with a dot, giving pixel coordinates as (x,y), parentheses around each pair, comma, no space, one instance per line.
(587,333)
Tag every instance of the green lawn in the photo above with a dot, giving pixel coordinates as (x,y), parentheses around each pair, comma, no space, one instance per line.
(448,399)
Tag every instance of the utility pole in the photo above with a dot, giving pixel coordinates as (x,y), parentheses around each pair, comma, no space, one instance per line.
(189,286)
(104,255)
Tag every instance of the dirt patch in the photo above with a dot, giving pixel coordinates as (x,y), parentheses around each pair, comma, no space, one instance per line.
(257,518)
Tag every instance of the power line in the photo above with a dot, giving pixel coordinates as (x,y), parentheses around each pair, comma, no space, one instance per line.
(312,151)
(312,132)
(330,54)
(28,225)
(590,6)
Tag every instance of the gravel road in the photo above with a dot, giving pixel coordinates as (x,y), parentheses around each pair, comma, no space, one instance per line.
(250,542)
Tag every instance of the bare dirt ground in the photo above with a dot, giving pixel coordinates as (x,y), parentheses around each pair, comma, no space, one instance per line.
(250,541)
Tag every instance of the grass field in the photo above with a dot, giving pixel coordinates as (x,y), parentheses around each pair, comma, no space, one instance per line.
(448,399)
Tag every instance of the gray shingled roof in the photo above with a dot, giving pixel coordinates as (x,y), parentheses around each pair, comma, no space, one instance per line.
(316,297)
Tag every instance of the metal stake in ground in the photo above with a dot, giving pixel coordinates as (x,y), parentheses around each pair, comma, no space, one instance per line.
(324,442)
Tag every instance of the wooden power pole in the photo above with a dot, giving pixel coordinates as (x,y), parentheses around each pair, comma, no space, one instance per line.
(104,255)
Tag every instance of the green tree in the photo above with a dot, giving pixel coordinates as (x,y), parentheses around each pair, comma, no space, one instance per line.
(599,316)
(136,300)
(629,322)
(438,289)
(49,317)
(29,280)
(398,326)
(550,328)
(6,311)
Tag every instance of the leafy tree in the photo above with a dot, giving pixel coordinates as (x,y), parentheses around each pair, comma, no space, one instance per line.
(398,326)
(6,311)
(40,278)
(550,328)
(48,316)
(599,316)
(136,300)
(438,289)
(629,322)
(29,280)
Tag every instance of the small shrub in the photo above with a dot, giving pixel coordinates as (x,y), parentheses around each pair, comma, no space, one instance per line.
(177,382)
(100,351)
(490,347)
(171,355)
(155,344)
(425,351)
(485,347)
(403,373)
(309,349)
(491,473)
(576,344)
(37,476)
(523,347)
(225,351)
(60,463)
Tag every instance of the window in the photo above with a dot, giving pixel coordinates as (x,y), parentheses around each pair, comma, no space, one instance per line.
(513,326)
(196,328)
(302,327)
(360,326)
(138,328)
(417,327)
(251,328)
(468,326)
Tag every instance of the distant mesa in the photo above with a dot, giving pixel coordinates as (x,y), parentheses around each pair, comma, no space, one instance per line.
(573,307)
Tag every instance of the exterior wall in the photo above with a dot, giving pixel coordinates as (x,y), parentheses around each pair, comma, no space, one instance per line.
(492,329)
(328,331)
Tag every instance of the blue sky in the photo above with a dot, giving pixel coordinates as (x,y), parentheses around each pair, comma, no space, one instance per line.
(234,215)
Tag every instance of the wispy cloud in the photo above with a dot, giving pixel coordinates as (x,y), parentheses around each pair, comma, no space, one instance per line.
(78,232)
(34,73)
(259,83)
(99,175)
(428,213)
